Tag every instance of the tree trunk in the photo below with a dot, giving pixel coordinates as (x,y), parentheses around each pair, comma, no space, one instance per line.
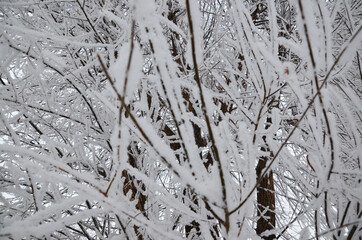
(265,194)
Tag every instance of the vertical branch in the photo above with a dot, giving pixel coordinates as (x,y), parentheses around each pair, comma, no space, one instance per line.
(316,226)
(214,148)
(123,97)
(32,191)
(316,82)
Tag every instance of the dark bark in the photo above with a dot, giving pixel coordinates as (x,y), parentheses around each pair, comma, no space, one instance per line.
(266,201)
(265,194)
